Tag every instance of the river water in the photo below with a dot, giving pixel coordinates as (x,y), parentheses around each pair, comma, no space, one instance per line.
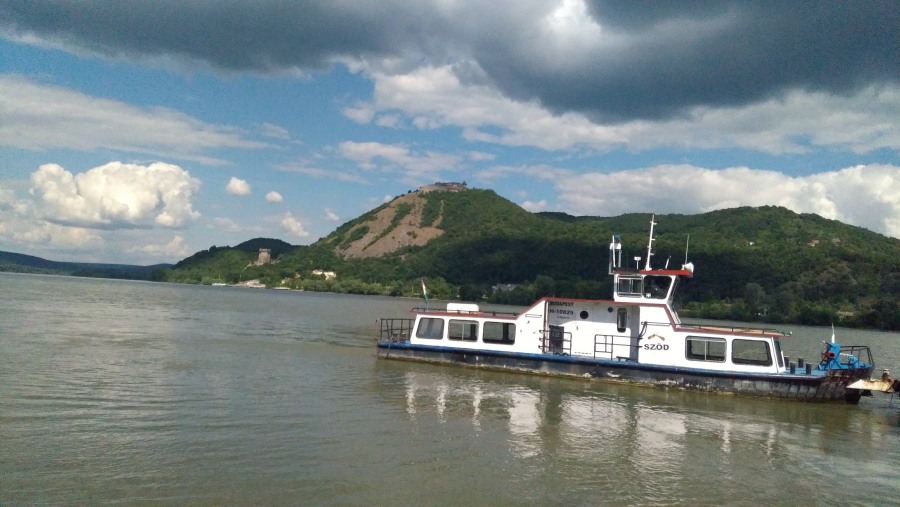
(120,392)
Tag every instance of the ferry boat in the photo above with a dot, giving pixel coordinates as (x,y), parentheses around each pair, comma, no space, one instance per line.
(637,337)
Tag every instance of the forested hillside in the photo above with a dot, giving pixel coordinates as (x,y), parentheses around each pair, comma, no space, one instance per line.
(21,263)
(764,263)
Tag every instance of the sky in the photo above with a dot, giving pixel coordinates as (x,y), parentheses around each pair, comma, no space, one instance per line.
(140,132)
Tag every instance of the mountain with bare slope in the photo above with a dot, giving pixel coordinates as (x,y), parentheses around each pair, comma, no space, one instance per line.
(392,227)
(431,213)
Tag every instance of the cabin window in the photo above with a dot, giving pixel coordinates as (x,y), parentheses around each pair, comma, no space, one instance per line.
(621,319)
(753,352)
(430,328)
(466,330)
(657,287)
(779,354)
(705,349)
(499,332)
(630,287)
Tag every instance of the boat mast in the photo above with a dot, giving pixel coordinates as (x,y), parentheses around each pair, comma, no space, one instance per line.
(650,244)
(615,253)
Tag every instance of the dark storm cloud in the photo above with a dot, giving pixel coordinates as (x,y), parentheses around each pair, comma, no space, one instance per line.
(229,35)
(648,60)
(674,55)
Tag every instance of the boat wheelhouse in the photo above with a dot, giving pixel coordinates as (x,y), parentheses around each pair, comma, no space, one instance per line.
(636,337)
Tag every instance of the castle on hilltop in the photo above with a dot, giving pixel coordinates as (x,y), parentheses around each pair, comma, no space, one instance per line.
(265,257)
(448,186)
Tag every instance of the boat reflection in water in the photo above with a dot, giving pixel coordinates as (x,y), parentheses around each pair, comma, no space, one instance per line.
(646,445)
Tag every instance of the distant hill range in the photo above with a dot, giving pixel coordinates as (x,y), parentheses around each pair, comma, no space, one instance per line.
(764,263)
(20,263)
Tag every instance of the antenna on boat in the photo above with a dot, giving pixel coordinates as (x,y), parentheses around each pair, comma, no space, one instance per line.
(615,253)
(832,332)
(650,243)
(689,266)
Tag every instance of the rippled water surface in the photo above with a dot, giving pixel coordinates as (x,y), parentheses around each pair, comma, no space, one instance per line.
(139,393)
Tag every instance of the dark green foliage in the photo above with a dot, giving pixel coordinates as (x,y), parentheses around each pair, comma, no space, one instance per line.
(402,210)
(355,235)
(432,209)
(767,264)
(276,246)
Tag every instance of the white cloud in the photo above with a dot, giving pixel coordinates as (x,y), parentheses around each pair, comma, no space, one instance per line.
(115,195)
(798,122)
(435,96)
(794,122)
(275,132)
(361,113)
(7,199)
(176,248)
(481,156)
(302,167)
(535,207)
(274,197)
(39,232)
(39,117)
(293,226)
(867,196)
(388,120)
(365,153)
(398,157)
(331,216)
(237,186)
(227,225)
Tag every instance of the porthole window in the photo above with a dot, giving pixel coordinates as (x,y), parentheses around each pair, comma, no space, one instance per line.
(583,315)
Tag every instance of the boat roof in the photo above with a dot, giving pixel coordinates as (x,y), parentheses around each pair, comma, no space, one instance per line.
(661,272)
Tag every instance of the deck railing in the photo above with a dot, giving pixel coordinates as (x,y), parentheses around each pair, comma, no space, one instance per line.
(556,342)
(729,329)
(480,313)
(395,330)
(860,352)
(605,345)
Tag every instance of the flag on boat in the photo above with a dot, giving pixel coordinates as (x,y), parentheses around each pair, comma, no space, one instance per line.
(424,291)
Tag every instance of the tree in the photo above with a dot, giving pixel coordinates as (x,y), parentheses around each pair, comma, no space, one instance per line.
(754,297)
(544,286)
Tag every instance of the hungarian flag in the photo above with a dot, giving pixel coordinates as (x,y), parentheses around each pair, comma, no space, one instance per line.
(424,291)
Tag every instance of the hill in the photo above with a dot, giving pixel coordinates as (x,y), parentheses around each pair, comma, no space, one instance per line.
(764,263)
(20,263)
